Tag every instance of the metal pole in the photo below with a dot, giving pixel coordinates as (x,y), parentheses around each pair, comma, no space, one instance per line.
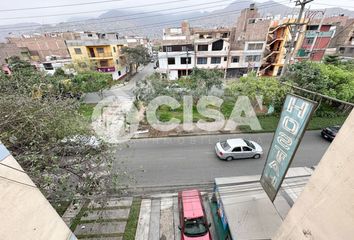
(293,34)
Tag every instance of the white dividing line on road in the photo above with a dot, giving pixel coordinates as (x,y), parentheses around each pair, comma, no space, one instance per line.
(142,231)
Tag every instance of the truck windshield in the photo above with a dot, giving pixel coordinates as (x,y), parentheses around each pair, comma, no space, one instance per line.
(195,227)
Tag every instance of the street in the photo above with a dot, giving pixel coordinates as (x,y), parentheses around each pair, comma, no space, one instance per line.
(192,160)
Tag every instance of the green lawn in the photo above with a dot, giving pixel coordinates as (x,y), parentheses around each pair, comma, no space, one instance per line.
(268,123)
(130,228)
(86,110)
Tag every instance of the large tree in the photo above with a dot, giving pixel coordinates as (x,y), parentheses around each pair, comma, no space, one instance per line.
(136,56)
(50,139)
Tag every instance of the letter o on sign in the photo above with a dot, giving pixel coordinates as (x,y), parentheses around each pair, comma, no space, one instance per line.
(291,125)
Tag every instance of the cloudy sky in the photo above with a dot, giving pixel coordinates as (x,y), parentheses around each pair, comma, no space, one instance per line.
(15,11)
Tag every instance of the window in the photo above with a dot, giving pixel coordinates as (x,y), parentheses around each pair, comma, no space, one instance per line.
(309,40)
(171,61)
(77,50)
(185,60)
(169,49)
(251,145)
(341,50)
(250,21)
(225,146)
(100,50)
(235,59)
(117,61)
(195,227)
(202,47)
(215,60)
(114,49)
(225,35)
(255,46)
(48,66)
(202,60)
(246,149)
(218,45)
(253,58)
(184,48)
(89,35)
(104,63)
(225,59)
(237,149)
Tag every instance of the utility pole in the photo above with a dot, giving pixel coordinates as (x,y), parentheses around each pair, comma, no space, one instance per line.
(187,63)
(302,4)
(318,32)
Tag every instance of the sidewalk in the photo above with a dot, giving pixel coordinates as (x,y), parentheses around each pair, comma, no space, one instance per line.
(159,218)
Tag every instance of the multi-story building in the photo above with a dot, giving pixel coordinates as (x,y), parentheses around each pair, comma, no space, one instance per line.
(101,51)
(233,50)
(343,39)
(42,45)
(248,42)
(177,58)
(275,51)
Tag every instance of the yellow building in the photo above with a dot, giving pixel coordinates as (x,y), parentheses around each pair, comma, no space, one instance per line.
(105,55)
(278,37)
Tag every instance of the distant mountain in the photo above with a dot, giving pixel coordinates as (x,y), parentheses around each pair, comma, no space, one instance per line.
(151,23)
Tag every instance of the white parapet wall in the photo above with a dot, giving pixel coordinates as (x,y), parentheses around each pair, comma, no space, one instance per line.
(325,208)
(25,212)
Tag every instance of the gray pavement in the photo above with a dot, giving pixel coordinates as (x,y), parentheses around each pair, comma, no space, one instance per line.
(192,160)
(119,90)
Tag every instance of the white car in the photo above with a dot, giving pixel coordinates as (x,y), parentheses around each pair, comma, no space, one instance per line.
(238,148)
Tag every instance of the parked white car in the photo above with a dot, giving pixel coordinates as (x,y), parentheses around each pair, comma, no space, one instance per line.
(238,148)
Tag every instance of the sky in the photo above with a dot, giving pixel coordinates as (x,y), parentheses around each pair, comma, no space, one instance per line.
(45,16)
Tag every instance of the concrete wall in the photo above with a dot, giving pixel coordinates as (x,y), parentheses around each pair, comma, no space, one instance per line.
(325,209)
(25,212)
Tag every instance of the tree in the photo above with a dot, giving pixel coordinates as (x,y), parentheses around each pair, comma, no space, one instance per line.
(50,139)
(272,91)
(136,56)
(331,59)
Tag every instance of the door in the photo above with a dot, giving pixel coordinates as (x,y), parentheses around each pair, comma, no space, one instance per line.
(92,52)
(236,152)
(247,152)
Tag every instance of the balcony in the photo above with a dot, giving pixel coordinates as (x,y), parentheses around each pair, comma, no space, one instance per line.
(101,55)
(106,69)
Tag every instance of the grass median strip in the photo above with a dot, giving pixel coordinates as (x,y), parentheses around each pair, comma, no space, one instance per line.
(132,223)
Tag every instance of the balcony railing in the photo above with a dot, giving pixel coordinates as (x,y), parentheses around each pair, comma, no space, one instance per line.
(101,55)
(106,69)
(312,34)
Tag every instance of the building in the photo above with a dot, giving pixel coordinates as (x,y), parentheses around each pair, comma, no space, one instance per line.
(242,210)
(100,51)
(325,209)
(53,63)
(343,39)
(10,49)
(278,37)
(236,50)
(25,212)
(42,45)
(248,40)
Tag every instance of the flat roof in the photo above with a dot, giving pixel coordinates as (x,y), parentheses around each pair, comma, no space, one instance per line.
(192,206)
(249,212)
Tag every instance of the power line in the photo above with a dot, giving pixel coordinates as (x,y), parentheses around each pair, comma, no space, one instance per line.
(58,6)
(15,181)
(155,24)
(133,14)
(16,169)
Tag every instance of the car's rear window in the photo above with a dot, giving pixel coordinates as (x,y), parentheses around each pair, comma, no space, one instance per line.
(225,146)
(249,144)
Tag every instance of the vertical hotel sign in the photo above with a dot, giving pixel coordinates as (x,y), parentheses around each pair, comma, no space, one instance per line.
(294,118)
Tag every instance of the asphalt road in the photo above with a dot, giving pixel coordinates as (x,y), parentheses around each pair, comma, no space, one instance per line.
(192,160)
